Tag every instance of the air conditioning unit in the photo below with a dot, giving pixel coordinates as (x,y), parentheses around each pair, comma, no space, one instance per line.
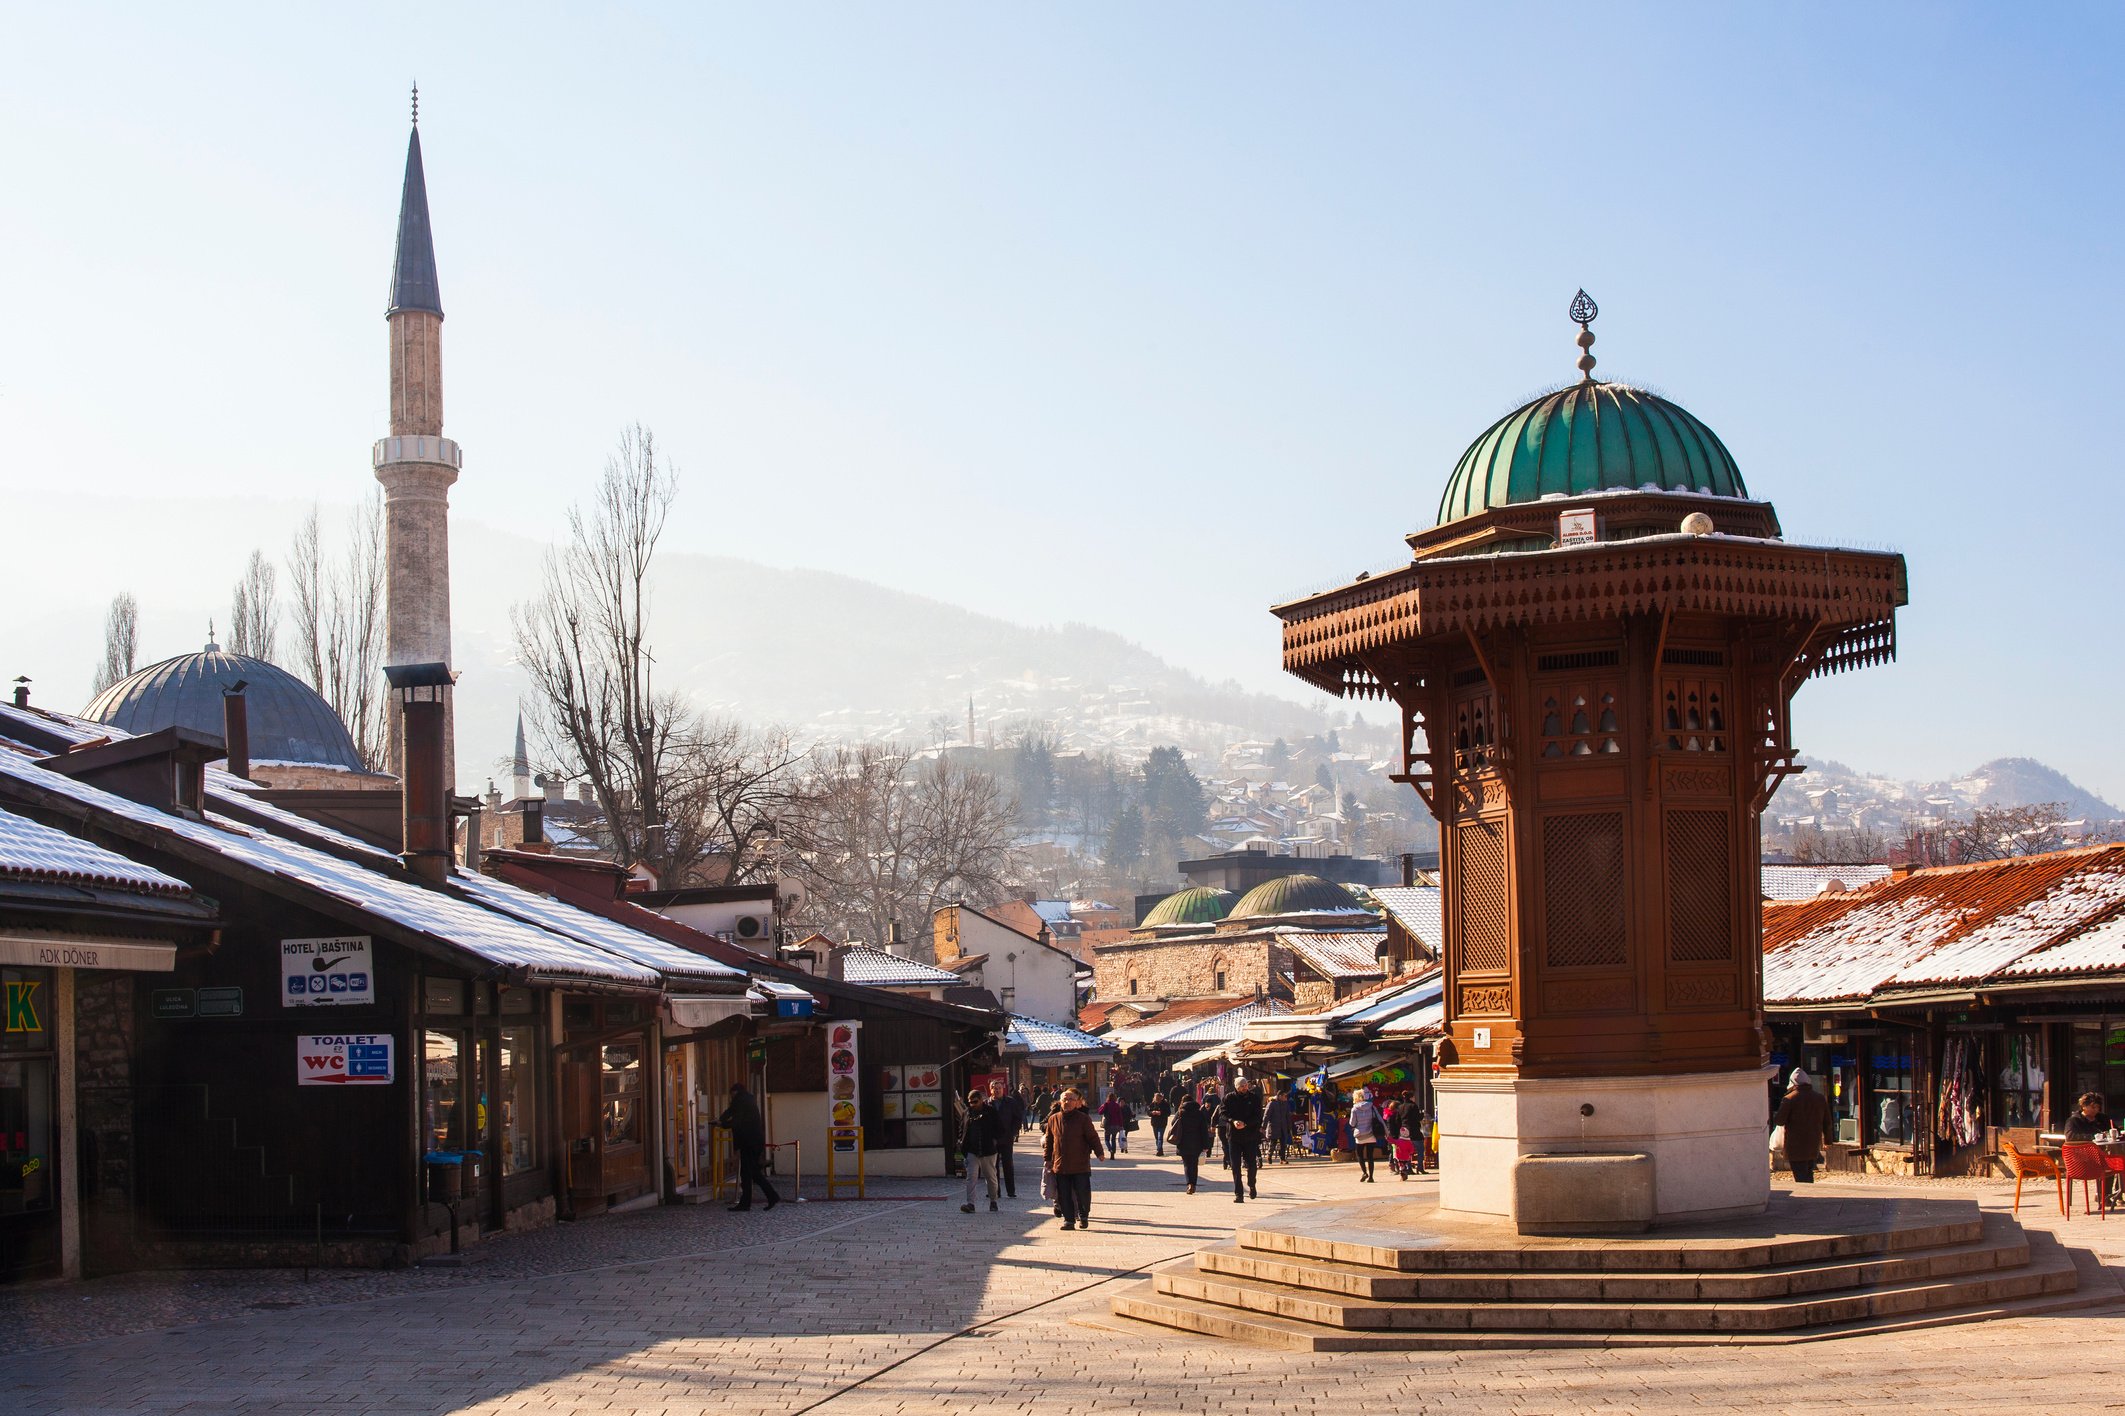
(753,926)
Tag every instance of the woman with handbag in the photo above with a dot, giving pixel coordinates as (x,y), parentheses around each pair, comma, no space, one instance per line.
(1191,1137)
(1367,1133)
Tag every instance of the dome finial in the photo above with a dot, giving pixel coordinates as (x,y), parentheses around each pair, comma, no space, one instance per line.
(416,105)
(212,647)
(1583,311)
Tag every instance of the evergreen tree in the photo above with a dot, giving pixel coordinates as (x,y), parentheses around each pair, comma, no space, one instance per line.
(1125,839)
(1175,805)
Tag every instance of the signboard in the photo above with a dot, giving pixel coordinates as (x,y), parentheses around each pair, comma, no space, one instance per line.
(170,1003)
(316,972)
(343,1060)
(1575,528)
(219,1003)
(844,1138)
(86,954)
(842,1041)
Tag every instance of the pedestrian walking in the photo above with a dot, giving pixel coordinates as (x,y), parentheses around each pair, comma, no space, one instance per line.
(1809,1126)
(1157,1110)
(1010,1115)
(1276,1123)
(1069,1143)
(1117,1115)
(1240,1124)
(978,1144)
(1191,1137)
(1367,1134)
(748,1140)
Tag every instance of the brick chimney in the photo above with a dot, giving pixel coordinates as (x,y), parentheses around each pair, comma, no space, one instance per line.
(22,691)
(423,694)
(236,728)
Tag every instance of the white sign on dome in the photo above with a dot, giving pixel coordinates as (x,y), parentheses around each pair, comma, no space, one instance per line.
(1575,528)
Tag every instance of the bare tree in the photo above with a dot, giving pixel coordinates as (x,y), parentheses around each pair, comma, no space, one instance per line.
(121,640)
(1838,845)
(741,783)
(338,614)
(254,622)
(595,711)
(1989,833)
(883,839)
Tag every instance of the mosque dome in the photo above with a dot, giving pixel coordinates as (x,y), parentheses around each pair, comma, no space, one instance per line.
(1590,437)
(1295,895)
(1200,904)
(289,721)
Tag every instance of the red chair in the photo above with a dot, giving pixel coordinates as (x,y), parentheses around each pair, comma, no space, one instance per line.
(2086,1163)
(2033,1165)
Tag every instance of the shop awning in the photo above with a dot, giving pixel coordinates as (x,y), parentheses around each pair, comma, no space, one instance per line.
(86,951)
(1354,1069)
(695,1012)
(1203,1058)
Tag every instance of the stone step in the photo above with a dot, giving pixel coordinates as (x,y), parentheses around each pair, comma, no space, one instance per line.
(1415,1236)
(1143,1302)
(2001,1246)
(2049,1271)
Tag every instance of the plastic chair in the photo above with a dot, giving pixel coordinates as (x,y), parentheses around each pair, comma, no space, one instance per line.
(2033,1165)
(2081,1161)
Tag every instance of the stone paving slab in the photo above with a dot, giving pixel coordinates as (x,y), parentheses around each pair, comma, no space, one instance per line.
(914,1307)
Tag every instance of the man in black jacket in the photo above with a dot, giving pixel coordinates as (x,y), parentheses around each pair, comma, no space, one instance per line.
(1239,1119)
(748,1138)
(1010,1114)
(978,1146)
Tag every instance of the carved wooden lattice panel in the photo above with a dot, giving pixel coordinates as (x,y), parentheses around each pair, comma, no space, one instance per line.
(1582,890)
(1700,888)
(1486,942)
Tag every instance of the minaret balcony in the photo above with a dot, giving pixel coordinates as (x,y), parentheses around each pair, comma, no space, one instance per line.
(442,451)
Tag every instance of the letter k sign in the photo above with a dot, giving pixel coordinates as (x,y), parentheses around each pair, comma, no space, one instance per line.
(22,1007)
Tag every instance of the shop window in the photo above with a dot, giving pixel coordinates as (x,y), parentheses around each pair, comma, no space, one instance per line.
(2021,1079)
(2098,1063)
(1892,1103)
(442,1093)
(444,997)
(518,1094)
(26,1133)
(622,1069)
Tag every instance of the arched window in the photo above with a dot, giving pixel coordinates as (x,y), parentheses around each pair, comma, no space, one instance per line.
(1217,973)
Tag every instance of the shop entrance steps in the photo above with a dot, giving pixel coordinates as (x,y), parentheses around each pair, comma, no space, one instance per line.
(1402,1275)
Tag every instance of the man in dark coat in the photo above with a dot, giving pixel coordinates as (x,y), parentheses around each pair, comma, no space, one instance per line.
(1239,1122)
(1010,1114)
(1810,1126)
(748,1139)
(1159,1109)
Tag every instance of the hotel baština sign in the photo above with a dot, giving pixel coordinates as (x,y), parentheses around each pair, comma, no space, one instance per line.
(326,971)
(60,952)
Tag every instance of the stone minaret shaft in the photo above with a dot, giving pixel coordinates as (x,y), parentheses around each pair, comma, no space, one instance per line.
(416,463)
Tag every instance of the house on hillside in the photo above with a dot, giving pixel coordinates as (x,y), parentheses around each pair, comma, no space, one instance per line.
(1031,976)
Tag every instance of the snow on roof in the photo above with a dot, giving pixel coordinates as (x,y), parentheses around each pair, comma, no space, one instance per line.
(673,960)
(1805,882)
(1197,1022)
(1429,1020)
(878,969)
(1389,1004)
(1418,909)
(1338,955)
(1053,911)
(29,851)
(1037,1038)
(1948,925)
(459,923)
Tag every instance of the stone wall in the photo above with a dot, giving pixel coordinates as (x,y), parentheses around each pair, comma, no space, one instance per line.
(1188,967)
(104,1027)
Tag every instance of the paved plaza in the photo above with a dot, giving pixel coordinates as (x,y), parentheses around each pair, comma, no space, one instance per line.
(900,1303)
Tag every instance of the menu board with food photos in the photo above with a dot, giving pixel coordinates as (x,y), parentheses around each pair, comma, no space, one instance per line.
(841,1061)
(913,1093)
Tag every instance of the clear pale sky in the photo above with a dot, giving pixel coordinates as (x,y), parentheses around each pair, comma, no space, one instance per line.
(1142,316)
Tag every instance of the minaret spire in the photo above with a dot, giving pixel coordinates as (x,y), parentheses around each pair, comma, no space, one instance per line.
(520,764)
(416,463)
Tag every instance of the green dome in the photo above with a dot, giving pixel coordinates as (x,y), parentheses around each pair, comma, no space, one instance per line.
(1591,437)
(1199,904)
(1293,895)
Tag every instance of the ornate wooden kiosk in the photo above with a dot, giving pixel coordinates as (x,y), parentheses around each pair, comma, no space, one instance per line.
(1594,653)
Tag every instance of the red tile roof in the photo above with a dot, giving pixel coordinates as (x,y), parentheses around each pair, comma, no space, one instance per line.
(1949,926)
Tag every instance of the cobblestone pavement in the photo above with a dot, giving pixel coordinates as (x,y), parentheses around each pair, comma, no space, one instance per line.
(903,1304)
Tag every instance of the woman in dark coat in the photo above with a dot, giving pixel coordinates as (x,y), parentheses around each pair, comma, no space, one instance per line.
(1191,1137)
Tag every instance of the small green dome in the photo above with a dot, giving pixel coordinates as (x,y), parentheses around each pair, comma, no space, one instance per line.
(1199,904)
(1294,895)
(1590,437)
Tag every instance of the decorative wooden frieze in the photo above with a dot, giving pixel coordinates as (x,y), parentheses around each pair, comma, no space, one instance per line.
(1487,999)
(1590,995)
(1700,990)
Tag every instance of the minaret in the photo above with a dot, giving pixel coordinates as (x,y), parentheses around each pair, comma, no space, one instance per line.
(416,463)
(520,765)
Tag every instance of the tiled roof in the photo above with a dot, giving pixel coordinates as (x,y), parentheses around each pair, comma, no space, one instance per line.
(1418,909)
(1036,1038)
(1805,882)
(29,851)
(879,969)
(1952,925)
(1197,1022)
(1338,955)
